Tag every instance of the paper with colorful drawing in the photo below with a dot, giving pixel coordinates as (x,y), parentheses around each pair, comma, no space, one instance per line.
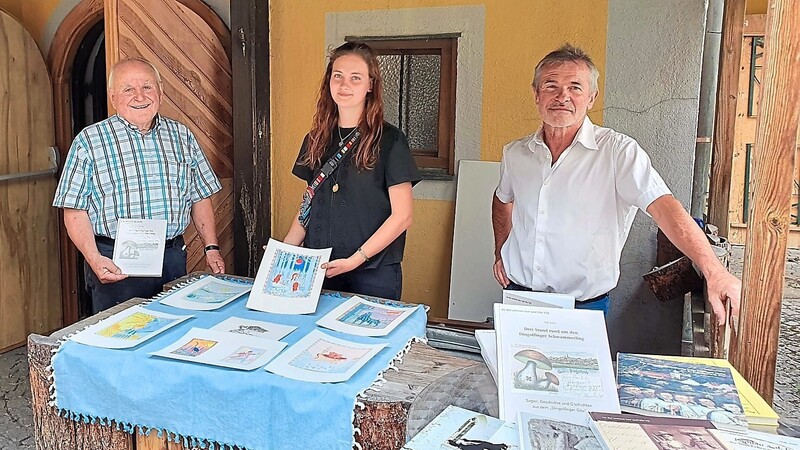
(257,328)
(128,328)
(321,358)
(219,348)
(206,294)
(289,279)
(361,317)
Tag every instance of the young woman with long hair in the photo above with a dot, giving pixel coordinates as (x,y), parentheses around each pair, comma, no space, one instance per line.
(364,207)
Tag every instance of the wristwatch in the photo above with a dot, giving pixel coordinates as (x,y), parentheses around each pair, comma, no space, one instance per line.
(210,247)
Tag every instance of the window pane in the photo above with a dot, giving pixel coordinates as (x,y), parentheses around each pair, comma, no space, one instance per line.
(390,71)
(420,100)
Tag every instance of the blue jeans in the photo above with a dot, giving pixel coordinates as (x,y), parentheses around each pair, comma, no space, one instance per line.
(382,282)
(105,296)
(600,303)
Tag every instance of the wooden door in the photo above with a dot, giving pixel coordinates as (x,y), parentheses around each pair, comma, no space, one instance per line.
(189,45)
(30,278)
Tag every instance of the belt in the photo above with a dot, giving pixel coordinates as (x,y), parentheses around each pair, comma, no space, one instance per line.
(169,243)
(599,297)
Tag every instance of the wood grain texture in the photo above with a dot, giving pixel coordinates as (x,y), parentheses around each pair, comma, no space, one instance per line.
(725,116)
(30,298)
(774,160)
(188,44)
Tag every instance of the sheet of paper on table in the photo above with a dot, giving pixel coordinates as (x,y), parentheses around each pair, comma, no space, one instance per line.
(219,348)
(206,294)
(127,328)
(321,358)
(139,246)
(257,328)
(289,279)
(361,317)
(542,299)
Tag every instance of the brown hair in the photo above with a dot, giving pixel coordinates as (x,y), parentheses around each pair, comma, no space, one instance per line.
(326,116)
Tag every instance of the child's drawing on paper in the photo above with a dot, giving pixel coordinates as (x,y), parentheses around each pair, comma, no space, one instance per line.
(244,355)
(328,357)
(195,347)
(369,316)
(291,275)
(214,293)
(135,327)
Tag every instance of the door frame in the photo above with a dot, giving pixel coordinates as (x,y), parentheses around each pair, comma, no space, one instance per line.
(68,37)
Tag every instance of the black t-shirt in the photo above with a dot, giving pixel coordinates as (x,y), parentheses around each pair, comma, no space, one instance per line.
(345,219)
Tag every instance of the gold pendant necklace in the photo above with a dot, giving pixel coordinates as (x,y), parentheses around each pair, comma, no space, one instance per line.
(335,187)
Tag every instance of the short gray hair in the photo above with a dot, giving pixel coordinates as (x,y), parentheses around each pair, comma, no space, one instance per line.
(128,61)
(567,53)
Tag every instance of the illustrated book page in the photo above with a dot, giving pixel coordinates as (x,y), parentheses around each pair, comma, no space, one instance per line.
(554,363)
(754,440)
(256,328)
(127,328)
(361,317)
(537,433)
(218,348)
(756,409)
(321,358)
(541,299)
(206,294)
(659,387)
(457,428)
(289,279)
(139,246)
(630,432)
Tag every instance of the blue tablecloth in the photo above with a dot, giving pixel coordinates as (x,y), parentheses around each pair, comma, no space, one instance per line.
(256,410)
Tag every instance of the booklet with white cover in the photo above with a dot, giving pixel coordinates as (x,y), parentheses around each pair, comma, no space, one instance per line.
(543,299)
(536,433)
(361,317)
(289,279)
(458,428)
(321,358)
(257,328)
(219,348)
(127,328)
(206,294)
(139,246)
(487,341)
(554,363)
(754,440)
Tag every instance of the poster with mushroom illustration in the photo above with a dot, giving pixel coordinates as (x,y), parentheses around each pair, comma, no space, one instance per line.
(554,363)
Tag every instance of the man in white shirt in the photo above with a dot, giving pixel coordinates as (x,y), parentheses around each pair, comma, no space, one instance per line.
(571,191)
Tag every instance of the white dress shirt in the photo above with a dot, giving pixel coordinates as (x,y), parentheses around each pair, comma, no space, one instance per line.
(570,219)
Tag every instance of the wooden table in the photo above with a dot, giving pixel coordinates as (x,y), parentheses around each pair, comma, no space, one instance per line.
(425,383)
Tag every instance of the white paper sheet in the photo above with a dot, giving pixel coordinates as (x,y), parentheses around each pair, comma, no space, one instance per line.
(754,440)
(554,363)
(289,279)
(218,348)
(321,358)
(541,299)
(361,317)
(206,294)
(487,341)
(127,328)
(139,246)
(256,328)
(538,433)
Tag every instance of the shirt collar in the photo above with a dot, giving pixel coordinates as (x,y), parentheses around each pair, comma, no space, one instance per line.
(156,123)
(585,136)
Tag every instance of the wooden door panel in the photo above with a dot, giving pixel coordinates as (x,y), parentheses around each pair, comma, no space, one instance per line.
(30,278)
(188,44)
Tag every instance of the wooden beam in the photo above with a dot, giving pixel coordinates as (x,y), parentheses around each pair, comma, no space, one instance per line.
(251,133)
(773,170)
(727,91)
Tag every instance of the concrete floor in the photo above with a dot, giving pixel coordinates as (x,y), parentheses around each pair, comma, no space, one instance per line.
(16,419)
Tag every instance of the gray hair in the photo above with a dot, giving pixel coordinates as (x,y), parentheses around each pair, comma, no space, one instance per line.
(567,53)
(128,61)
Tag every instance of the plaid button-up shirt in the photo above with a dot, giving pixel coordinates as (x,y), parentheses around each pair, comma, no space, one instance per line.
(115,171)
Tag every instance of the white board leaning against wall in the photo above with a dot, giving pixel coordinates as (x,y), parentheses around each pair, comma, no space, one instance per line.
(473,288)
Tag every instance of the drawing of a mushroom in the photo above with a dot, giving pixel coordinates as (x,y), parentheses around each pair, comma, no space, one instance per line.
(528,376)
(549,382)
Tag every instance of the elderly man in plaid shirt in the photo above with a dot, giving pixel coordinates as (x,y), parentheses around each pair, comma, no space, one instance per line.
(135,164)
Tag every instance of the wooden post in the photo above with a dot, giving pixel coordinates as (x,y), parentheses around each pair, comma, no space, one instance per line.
(773,168)
(251,142)
(727,91)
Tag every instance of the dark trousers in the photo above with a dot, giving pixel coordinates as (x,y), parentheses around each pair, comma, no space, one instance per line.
(599,303)
(383,282)
(105,296)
